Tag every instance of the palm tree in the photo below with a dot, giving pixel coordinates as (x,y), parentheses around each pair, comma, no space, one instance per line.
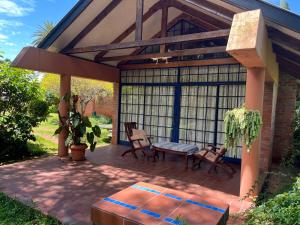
(42,32)
(284,4)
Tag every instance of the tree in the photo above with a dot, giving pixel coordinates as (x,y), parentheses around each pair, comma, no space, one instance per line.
(88,90)
(21,108)
(284,4)
(42,32)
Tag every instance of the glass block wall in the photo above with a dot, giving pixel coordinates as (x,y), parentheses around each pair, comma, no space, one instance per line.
(185,105)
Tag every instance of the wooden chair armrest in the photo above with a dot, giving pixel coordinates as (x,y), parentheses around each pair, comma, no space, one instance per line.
(137,139)
(213,146)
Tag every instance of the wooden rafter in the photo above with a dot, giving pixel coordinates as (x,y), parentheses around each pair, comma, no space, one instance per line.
(206,18)
(157,41)
(185,52)
(289,66)
(130,29)
(214,8)
(139,20)
(191,14)
(157,35)
(182,16)
(164,25)
(284,39)
(92,24)
(181,63)
(279,50)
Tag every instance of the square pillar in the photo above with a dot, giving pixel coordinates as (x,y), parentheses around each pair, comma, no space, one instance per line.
(250,160)
(115,114)
(65,88)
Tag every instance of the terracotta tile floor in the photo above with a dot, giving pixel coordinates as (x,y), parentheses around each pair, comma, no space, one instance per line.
(67,190)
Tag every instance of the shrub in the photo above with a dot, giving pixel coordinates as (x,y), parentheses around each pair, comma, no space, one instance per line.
(21,108)
(283,209)
(292,154)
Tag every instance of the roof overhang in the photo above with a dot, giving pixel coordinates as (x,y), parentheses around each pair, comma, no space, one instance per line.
(41,60)
(106,22)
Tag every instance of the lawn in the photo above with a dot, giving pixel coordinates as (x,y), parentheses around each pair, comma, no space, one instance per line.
(46,143)
(47,128)
(13,212)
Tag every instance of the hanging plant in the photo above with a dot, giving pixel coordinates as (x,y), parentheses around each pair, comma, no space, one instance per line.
(242,124)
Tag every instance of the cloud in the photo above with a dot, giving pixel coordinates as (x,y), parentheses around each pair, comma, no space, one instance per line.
(9,23)
(7,43)
(3,37)
(16,8)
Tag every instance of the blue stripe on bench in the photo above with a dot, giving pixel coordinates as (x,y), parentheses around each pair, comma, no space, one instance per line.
(116,202)
(206,206)
(150,213)
(173,197)
(172,221)
(145,189)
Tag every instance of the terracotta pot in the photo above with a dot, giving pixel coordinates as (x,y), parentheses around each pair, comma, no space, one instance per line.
(78,152)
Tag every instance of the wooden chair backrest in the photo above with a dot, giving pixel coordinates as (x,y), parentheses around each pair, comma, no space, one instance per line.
(128,128)
(221,153)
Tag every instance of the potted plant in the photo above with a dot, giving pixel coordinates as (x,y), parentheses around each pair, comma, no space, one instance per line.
(242,124)
(76,125)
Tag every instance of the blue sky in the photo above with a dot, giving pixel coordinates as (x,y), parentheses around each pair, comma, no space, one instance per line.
(20,18)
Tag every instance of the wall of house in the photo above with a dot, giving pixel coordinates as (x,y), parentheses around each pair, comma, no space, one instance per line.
(285,114)
(104,107)
(269,112)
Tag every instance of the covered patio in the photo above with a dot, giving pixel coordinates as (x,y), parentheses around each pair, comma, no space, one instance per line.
(66,190)
(177,67)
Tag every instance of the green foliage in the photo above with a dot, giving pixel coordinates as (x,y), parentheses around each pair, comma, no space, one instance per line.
(241,124)
(181,221)
(284,4)
(21,108)
(283,209)
(42,32)
(13,212)
(76,125)
(292,154)
(88,90)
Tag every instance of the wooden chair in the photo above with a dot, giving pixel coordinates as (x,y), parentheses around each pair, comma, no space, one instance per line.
(215,157)
(140,141)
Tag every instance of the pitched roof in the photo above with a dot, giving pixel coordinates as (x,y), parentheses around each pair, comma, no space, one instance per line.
(93,22)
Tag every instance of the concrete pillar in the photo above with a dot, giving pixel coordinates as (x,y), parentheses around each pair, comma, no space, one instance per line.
(65,88)
(115,115)
(250,160)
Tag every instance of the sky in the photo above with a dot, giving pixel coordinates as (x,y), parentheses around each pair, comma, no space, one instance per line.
(19,19)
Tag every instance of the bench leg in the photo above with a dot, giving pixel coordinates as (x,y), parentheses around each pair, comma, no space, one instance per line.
(186,162)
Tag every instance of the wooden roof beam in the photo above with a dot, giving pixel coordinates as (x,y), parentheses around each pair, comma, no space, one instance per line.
(185,52)
(50,62)
(205,17)
(157,41)
(92,24)
(157,35)
(157,6)
(289,66)
(139,20)
(164,25)
(221,61)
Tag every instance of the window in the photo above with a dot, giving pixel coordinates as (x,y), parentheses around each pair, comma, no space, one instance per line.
(184,105)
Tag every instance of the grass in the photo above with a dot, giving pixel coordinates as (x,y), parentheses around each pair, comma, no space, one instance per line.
(13,212)
(46,143)
(47,128)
